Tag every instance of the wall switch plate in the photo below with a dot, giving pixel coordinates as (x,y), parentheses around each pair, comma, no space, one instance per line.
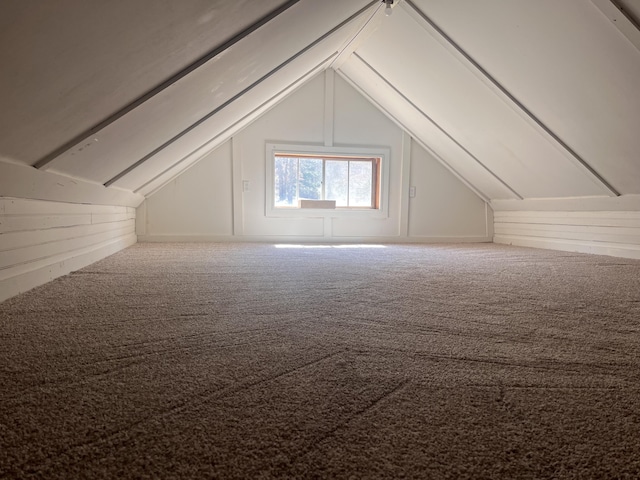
(412,192)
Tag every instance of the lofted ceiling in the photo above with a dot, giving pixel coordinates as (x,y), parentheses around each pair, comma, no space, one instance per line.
(519,99)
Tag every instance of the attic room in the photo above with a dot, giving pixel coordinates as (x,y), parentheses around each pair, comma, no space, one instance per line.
(339,239)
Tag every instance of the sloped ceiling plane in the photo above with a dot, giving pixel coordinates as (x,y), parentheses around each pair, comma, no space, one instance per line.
(520,99)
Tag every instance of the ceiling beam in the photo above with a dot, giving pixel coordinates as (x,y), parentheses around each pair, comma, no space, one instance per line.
(44,161)
(500,88)
(238,95)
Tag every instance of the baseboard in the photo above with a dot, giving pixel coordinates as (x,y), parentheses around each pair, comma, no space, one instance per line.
(599,248)
(61,265)
(306,239)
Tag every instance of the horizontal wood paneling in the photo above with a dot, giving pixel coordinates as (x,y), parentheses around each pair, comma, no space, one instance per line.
(623,203)
(609,219)
(22,223)
(614,233)
(40,240)
(22,255)
(24,206)
(16,241)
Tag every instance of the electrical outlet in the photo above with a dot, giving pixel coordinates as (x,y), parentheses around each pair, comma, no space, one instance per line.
(245,185)
(412,192)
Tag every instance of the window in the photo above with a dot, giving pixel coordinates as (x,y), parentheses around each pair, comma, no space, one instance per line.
(352,182)
(335,181)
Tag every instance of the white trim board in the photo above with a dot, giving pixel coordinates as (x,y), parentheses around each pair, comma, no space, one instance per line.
(22,181)
(621,203)
(306,239)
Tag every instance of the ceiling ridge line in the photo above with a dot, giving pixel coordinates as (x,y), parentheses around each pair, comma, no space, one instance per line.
(632,19)
(342,55)
(311,72)
(621,19)
(595,175)
(236,96)
(437,125)
(47,159)
(415,138)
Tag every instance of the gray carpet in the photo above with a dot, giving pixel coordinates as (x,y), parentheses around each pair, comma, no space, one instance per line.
(251,361)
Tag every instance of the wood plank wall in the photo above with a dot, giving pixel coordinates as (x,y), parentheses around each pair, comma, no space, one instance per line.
(614,233)
(42,240)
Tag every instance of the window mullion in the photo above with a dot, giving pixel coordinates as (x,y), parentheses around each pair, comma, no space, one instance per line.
(324,179)
(298,182)
(348,183)
(374,182)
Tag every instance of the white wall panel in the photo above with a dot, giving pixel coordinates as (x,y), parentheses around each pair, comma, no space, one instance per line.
(207,202)
(443,206)
(41,240)
(298,119)
(198,202)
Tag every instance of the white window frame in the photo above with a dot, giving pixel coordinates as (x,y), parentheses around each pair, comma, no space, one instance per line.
(273,149)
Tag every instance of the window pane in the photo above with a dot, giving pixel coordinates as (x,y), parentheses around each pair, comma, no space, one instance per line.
(286,182)
(310,177)
(360,180)
(337,181)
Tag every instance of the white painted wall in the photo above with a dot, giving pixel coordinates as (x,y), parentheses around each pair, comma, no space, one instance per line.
(41,240)
(607,226)
(207,203)
(51,225)
(198,202)
(462,215)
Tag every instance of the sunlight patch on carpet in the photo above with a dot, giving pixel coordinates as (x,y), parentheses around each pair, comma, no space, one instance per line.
(364,245)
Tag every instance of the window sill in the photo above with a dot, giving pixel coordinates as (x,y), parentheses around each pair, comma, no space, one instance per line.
(325,213)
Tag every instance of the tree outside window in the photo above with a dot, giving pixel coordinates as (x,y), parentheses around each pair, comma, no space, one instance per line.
(351,181)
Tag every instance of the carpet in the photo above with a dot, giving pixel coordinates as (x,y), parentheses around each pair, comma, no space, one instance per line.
(284,361)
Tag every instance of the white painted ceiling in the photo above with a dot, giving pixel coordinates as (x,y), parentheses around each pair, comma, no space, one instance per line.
(520,99)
